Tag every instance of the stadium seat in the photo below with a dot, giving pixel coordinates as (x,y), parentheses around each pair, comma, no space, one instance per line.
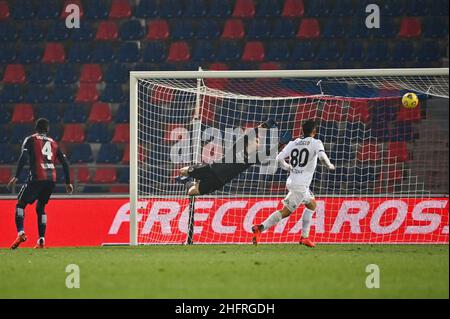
(121,189)
(397,152)
(155,52)
(308,29)
(129,52)
(178,52)
(354,52)
(342,8)
(33,54)
(368,152)
(131,30)
(57,32)
(116,73)
(158,30)
(112,93)
(73,133)
(62,94)
(417,8)
(194,8)
(5,115)
(293,9)
(66,74)
(233,29)
(244,9)
(22,114)
(23,10)
(82,34)
(11,94)
(303,51)
(147,9)
(75,113)
(65,13)
(434,27)
(120,9)
(126,155)
(121,133)
(103,53)
(258,29)
(48,10)
(50,112)
(5,174)
(439,8)
(14,74)
(123,175)
(402,132)
(220,9)
(181,30)
(171,9)
(334,28)
(203,51)
(377,51)
(107,31)
(123,114)
(54,53)
(253,52)
(40,74)
(81,153)
(87,92)
(355,132)
(429,51)
(229,51)
(19,132)
(8,32)
(105,176)
(328,51)
(283,28)
(393,8)
(91,73)
(413,115)
(268,8)
(79,53)
(37,94)
(7,154)
(207,29)
(278,51)
(403,51)
(410,28)
(4,133)
(360,111)
(97,10)
(108,154)
(4,10)
(100,113)
(31,32)
(81,174)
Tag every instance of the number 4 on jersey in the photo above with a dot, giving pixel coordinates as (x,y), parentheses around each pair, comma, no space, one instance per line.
(47,150)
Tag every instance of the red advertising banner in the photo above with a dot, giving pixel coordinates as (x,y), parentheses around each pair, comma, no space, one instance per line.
(93,222)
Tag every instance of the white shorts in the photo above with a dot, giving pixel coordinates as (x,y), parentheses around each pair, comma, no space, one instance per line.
(296,197)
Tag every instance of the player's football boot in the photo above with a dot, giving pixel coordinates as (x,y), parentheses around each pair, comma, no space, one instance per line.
(20,239)
(40,244)
(307,242)
(256,229)
(184,179)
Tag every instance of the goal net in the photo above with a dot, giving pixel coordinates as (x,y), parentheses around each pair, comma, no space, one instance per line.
(391,179)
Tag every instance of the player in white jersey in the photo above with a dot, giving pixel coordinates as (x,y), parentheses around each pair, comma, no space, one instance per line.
(303,154)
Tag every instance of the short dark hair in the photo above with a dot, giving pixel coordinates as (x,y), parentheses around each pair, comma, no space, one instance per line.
(308,127)
(42,125)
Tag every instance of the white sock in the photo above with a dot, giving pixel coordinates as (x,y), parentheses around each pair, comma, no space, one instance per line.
(21,233)
(306,222)
(272,220)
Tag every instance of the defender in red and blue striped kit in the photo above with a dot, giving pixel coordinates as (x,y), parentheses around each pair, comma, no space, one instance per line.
(42,154)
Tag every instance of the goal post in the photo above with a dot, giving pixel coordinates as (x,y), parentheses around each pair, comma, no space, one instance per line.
(192,109)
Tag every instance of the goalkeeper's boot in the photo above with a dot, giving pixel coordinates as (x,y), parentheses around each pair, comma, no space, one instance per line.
(307,242)
(256,229)
(20,239)
(40,244)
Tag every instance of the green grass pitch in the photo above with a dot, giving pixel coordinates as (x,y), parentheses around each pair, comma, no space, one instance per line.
(227,271)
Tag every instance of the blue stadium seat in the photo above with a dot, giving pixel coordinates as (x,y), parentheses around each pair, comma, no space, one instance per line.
(418,8)
(318,8)
(328,51)
(220,9)
(278,51)
(19,132)
(129,52)
(48,10)
(97,10)
(357,28)
(171,9)
(5,114)
(58,32)
(66,74)
(439,8)
(79,53)
(116,74)
(131,30)
(342,8)
(4,134)
(334,28)
(62,94)
(40,74)
(258,29)
(303,51)
(208,29)
(402,132)
(75,113)
(268,8)
(363,175)
(31,32)
(23,10)
(355,132)
(108,154)
(354,51)
(11,94)
(380,130)
(32,54)
(327,131)
(113,94)
(8,54)
(388,28)
(155,52)
(147,9)
(98,133)
(377,51)
(194,8)
(403,51)
(364,92)
(50,112)
(393,8)
(81,153)
(429,51)
(434,27)
(8,32)
(103,53)
(123,114)
(84,33)
(123,175)
(203,51)
(229,51)
(37,94)
(8,154)
(284,28)
(182,29)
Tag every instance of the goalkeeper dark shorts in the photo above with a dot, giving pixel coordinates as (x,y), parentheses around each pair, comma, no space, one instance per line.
(208,181)
(36,190)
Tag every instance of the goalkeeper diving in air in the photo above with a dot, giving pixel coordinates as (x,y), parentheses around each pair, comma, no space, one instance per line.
(303,154)
(202,179)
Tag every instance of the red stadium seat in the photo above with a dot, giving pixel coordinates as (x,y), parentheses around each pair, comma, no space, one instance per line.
(100,113)
(233,29)
(309,29)
(91,73)
(121,133)
(14,74)
(253,52)
(161,95)
(23,113)
(304,112)
(5,175)
(4,10)
(105,175)
(158,30)
(208,113)
(82,174)
(54,53)
(126,155)
(120,189)
(410,28)
(107,31)
(244,9)
(293,9)
(64,14)
(73,133)
(360,111)
(120,9)
(269,66)
(218,84)
(412,115)
(397,152)
(87,92)
(179,52)
(368,152)
(332,111)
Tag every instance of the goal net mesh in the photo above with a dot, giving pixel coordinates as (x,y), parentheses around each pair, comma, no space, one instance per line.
(391,178)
